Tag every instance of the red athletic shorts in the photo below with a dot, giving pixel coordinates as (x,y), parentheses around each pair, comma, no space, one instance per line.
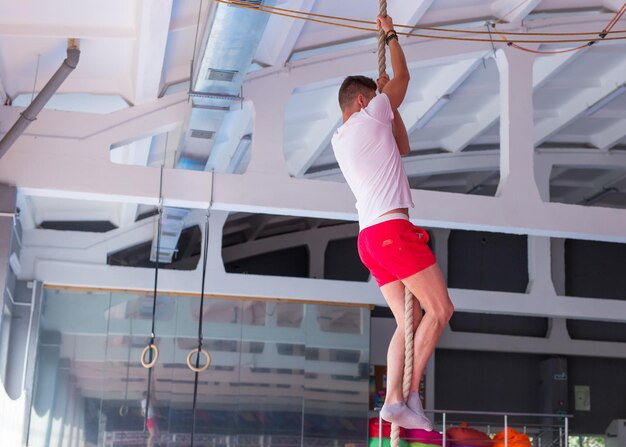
(394,249)
(151,422)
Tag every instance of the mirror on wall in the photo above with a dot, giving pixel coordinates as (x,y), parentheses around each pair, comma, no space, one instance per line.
(281,372)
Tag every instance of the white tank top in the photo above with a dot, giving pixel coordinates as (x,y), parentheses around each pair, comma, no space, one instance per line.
(368,157)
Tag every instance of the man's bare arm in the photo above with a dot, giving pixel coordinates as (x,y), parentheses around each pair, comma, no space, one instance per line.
(397,125)
(397,87)
(400,133)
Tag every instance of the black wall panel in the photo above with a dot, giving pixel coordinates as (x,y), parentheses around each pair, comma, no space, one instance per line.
(606,379)
(595,269)
(492,381)
(487,261)
(596,330)
(499,324)
(487,381)
(341,261)
(292,262)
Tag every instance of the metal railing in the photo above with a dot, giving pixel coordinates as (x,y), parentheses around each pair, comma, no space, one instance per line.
(543,433)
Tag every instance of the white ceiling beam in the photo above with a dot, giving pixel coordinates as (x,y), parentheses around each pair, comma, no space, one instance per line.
(582,158)
(419,52)
(409,13)
(337,65)
(220,284)
(153,22)
(421,165)
(236,124)
(134,153)
(462,14)
(610,136)
(581,101)
(465,162)
(280,36)
(138,154)
(613,5)
(308,149)
(480,179)
(543,69)
(444,82)
(27,215)
(512,12)
(137,122)
(575,83)
(83,247)
(532,345)
(454,120)
(580,194)
(88,174)
(3,93)
(610,113)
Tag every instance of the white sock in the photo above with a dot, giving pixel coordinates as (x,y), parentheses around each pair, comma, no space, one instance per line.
(414,403)
(398,413)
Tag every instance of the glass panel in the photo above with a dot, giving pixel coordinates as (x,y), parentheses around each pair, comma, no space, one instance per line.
(280,373)
(336,381)
(271,374)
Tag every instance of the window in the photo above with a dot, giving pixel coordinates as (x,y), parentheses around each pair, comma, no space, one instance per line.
(586,441)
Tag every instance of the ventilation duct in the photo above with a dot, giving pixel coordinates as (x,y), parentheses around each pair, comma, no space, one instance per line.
(219,73)
(172,224)
(202,134)
(30,114)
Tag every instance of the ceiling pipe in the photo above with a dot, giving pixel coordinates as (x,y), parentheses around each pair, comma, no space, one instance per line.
(30,114)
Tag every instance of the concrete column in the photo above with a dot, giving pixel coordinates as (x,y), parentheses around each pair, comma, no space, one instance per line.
(543,170)
(269,97)
(539,267)
(558,264)
(216,226)
(517,148)
(317,244)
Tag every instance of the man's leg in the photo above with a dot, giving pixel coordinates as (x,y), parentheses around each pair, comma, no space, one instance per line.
(395,409)
(430,287)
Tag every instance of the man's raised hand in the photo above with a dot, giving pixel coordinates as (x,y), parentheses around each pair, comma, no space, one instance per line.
(386,23)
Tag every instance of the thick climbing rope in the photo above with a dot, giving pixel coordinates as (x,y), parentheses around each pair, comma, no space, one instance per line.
(408,358)
(382,69)
(408,296)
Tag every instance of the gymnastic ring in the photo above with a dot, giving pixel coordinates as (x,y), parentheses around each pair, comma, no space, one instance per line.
(153,347)
(202,368)
(123,410)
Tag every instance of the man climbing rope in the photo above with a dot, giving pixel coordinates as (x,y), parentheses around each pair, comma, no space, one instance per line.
(368,146)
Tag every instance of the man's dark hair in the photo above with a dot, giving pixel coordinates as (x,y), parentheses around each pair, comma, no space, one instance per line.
(354,86)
